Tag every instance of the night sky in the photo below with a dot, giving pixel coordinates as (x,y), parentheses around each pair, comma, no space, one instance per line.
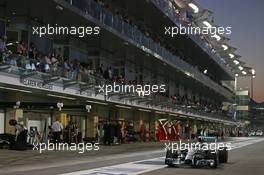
(247,21)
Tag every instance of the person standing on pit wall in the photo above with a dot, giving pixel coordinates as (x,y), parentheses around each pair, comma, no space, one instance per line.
(112,132)
(178,130)
(56,131)
(107,133)
(142,132)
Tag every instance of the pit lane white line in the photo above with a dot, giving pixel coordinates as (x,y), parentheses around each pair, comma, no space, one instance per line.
(131,168)
(143,166)
(246,143)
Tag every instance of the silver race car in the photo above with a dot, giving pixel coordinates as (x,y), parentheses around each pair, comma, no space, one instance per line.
(196,157)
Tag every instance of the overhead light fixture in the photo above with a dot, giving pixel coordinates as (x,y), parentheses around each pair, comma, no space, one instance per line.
(159,112)
(120,106)
(58,7)
(14,89)
(59,96)
(174,115)
(125,43)
(225,47)
(236,62)
(205,71)
(244,72)
(231,55)
(9,44)
(207,24)
(96,102)
(194,7)
(253,71)
(218,38)
(144,110)
(240,67)
(188,74)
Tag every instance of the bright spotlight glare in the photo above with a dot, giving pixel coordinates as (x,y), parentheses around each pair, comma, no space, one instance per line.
(240,68)
(231,55)
(207,24)
(253,71)
(224,47)
(236,62)
(218,38)
(194,7)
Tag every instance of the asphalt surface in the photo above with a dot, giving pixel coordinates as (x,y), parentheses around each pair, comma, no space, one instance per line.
(246,157)
(247,160)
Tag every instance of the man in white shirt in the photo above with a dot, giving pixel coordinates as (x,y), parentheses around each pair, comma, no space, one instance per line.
(56,130)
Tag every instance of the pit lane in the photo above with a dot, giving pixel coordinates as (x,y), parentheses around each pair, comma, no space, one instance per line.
(245,158)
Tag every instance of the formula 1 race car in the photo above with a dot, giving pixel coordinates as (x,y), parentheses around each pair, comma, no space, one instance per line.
(196,158)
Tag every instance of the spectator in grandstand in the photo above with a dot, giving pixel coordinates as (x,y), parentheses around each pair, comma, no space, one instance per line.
(84,70)
(66,67)
(76,68)
(110,73)
(30,65)
(59,53)
(54,63)
(32,51)
(90,70)
(101,69)
(47,63)
(71,72)
(22,48)
(120,79)
(10,61)
(2,47)
(106,74)
(100,2)
(53,59)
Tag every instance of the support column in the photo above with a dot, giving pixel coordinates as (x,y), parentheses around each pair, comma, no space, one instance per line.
(92,122)
(152,126)
(16,114)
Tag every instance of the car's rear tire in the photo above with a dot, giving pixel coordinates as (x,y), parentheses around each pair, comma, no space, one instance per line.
(170,155)
(223,155)
(170,165)
(194,162)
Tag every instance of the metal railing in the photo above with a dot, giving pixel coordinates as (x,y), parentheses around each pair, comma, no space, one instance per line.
(89,7)
(164,6)
(20,64)
(25,64)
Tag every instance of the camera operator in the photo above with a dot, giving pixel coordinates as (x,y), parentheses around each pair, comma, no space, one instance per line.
(21,131)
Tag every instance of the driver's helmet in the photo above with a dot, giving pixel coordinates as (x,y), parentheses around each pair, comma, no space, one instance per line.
(200,139)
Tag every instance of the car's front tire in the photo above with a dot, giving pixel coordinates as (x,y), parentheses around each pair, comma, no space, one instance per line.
(216,161)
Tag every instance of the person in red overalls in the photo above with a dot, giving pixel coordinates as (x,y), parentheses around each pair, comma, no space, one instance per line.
(142,133)
(178,130)
(157,133)
(161,134)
